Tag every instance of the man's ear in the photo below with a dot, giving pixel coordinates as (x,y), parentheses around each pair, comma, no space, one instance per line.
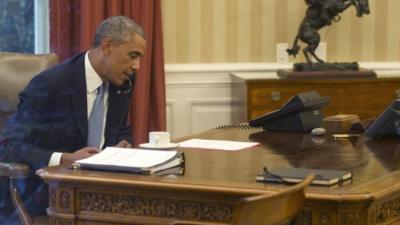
(106,45)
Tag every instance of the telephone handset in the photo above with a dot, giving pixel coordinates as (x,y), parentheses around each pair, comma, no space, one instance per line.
(127,87)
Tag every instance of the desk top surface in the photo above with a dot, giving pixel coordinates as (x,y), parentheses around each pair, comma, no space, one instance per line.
(375,164)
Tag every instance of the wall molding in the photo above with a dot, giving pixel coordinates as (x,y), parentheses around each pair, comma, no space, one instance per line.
(258,67)
(170,111)
(218,73)
(207,113)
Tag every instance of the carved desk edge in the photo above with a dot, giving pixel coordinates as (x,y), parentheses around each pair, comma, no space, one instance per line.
(71,179)
(92,204)
(347,209)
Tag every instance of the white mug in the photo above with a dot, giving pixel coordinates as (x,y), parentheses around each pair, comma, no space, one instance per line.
(159,138)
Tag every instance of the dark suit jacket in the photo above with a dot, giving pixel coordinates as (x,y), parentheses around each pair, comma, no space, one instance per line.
(52,117)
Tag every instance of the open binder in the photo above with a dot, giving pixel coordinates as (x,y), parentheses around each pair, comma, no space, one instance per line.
(132,160)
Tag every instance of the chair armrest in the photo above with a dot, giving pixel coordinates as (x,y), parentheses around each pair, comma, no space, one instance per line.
(14,170)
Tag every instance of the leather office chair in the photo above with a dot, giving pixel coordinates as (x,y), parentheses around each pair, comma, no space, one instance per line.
(266,209)
(16,70)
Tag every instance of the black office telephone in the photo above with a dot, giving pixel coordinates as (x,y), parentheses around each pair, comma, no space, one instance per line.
(301,112)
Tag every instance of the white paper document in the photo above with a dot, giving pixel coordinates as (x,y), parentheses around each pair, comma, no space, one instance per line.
(217,144)
(126,157)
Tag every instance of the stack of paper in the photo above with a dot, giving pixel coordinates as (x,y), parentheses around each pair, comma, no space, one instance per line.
(132,160)
(217,144)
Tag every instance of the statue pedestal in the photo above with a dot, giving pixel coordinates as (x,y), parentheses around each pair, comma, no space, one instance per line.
(326,70)
(333,74)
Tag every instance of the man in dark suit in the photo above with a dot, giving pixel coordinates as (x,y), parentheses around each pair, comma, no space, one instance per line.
(72,110)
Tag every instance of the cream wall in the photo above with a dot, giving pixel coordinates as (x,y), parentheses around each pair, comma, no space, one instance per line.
(229,31)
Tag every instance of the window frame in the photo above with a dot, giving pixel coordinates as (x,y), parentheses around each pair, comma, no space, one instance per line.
(41,27)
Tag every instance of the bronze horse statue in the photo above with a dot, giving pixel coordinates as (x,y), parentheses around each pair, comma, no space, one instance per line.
(321,13)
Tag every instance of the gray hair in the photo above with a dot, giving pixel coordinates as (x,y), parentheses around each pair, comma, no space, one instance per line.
(118,28)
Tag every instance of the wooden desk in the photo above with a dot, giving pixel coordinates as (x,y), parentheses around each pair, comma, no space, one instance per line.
(259,93)
(215,180)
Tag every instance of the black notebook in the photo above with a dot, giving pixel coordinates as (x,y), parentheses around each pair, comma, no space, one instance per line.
(296,175)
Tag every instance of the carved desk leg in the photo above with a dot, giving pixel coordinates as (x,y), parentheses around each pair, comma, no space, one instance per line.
(61,205)
(332,213)
(386,212)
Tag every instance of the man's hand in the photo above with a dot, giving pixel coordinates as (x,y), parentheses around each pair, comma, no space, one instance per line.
(69,158)
(124,144)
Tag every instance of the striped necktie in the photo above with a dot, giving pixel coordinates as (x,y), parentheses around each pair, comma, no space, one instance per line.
(96,119)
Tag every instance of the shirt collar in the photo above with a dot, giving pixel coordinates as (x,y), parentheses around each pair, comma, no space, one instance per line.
(93,80)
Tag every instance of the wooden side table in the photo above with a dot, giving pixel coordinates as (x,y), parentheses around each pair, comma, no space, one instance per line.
(261,93)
